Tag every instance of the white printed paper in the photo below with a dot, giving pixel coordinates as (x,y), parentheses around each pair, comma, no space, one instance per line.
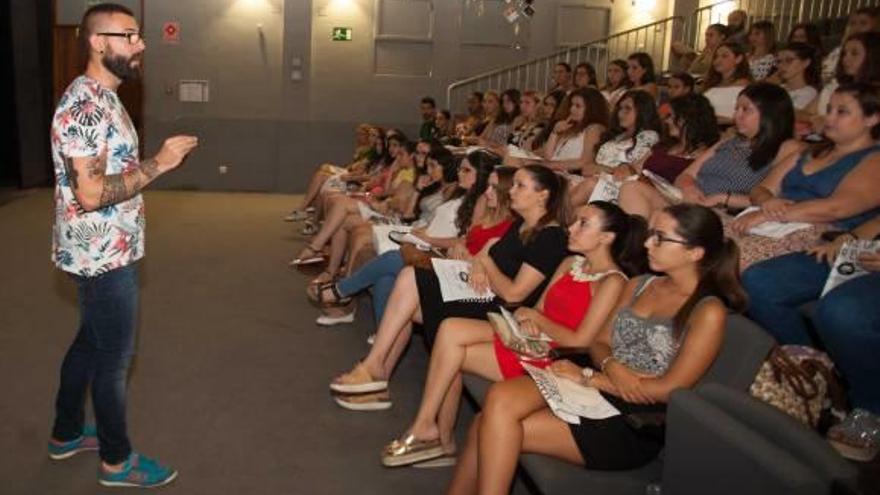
(846,265)
(454,276)
(607,189)
(568,400)
(771,229)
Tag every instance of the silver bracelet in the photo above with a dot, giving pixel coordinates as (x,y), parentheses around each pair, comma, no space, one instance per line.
(604,362)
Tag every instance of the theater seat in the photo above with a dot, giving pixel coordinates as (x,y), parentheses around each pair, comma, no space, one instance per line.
(723,441)
(744,349)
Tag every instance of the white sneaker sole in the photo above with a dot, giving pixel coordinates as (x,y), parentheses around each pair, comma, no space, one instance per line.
(329,321)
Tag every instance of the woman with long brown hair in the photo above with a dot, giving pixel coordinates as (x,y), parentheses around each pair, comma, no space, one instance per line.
(664,334)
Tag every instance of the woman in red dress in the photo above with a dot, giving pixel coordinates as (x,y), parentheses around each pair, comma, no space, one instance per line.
(608,247)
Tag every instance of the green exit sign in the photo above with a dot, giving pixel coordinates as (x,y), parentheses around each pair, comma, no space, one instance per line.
(342,34)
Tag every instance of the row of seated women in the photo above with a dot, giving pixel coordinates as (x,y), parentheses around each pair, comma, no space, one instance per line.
(519,250)
(758,162)
(584,285)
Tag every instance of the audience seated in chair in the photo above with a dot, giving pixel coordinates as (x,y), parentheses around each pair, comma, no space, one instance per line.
(460,214)
(365,137)
(616,81)
(664,334)
(859,63)
(640,71)
(344,211)
(691,129)
(724,175)
(698,64)
(571,147)
(585,76)
(633,131)
(728,76)
(863,20)
(846,324)
(762,50)
(834,184)
(608,247)
(516,268)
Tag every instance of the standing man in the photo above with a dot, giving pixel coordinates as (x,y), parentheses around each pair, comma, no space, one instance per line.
(98,237)
(428,109)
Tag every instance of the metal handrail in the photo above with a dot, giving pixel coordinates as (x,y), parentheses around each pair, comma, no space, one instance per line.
(654,38)
(784,14)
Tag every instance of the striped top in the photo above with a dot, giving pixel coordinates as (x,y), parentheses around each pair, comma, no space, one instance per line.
(728,169)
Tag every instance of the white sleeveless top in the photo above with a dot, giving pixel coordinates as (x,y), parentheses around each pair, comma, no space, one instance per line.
(571,148)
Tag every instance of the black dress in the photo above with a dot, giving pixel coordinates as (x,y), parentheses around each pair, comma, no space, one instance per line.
(544,251)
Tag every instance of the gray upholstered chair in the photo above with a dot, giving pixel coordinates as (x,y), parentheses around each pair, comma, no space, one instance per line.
(745,347)
(723,441)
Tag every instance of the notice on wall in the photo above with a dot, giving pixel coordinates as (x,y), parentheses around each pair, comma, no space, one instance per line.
(341,34)
(193,91)
(171,32)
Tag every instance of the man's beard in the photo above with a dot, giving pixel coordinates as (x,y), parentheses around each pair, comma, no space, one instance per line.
(122,67)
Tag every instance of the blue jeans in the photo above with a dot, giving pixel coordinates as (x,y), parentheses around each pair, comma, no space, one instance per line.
(99,358)
(847,320)
(380,274)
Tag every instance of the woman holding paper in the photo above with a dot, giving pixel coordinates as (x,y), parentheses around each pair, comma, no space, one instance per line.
(664,334)
(608,246)
(847,322)
(515,269)
(834,183)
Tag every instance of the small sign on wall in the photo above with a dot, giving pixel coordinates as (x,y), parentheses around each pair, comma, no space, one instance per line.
(194,91)
(341,34)
(171,32)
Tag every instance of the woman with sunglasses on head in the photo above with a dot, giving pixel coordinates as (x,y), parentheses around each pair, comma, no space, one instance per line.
(608,247)
(664,334)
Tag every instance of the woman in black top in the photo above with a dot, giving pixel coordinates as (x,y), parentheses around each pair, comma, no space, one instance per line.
(516,268)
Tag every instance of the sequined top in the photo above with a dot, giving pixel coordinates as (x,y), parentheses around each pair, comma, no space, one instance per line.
(645,345)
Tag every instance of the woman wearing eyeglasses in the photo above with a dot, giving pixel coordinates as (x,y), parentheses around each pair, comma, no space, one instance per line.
(665,333)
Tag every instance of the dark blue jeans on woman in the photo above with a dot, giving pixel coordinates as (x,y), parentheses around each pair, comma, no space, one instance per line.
(847,319)
(99,358)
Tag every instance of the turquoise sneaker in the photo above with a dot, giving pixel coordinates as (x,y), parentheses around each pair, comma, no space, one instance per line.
(64,450)
(139,472)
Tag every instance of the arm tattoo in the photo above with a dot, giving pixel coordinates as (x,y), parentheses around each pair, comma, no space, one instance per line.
(72,174)
(119,187)
(150,168)
(114,190)
(97,166)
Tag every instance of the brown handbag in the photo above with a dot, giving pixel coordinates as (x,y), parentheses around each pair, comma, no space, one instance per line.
(799,381)
(412,256)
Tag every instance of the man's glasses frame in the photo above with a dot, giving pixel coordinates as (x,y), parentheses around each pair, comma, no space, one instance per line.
(133,38)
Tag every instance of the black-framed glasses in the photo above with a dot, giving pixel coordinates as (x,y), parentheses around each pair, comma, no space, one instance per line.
(133,38)
(659,238)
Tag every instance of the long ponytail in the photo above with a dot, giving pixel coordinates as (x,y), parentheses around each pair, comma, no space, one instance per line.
(719,267)
(630,231)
